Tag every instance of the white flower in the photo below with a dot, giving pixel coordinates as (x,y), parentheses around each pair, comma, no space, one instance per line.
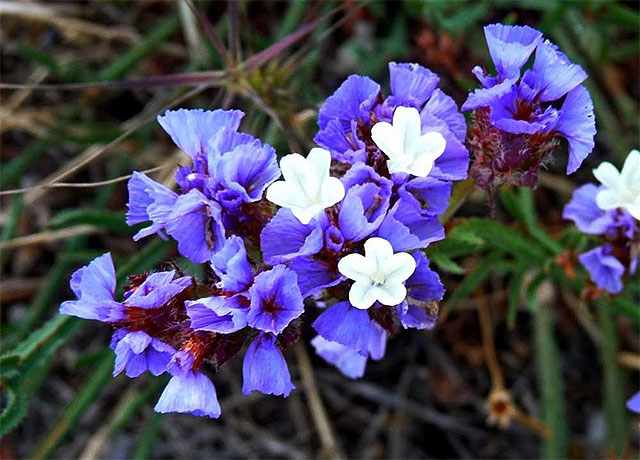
(307,188)
(622,188)
(408,150)
(378,275)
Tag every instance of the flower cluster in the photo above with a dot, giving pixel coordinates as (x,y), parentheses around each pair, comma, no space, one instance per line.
(611,210)
(347,237)
(519,116)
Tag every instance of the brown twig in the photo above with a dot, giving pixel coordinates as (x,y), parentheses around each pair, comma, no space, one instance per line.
(316,406)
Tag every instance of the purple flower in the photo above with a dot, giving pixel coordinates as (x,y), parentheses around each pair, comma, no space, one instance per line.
(137,352)
(347,117)
(157,290)
(264,368)
(407,227)
(284,238)
(148,201)
(515,123)
(423,287)
(94,285)
(192,130)
(247,170)
(189,391)
(345,325)
(634,403)
(350,362)
(605,269)
(365,204)
(196,224)
(218,314)
(315,275)
(275,300)
(230,264)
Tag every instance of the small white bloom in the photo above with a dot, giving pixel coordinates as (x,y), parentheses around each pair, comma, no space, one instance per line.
(378,275)
(622,188)
(408,150)
(307,188)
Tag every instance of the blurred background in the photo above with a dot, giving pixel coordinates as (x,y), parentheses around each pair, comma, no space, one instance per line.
(558,369)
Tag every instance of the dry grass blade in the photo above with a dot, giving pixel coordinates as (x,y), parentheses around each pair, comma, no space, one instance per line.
(115,180)
(210,32)
(211,78)
(50,237)
(318,412)
(70,27)
(94,152)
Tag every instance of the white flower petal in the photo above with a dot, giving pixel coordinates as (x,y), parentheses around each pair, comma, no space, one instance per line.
(362,295)
(631,171)
(304,215)
(357,267)
(385,137)
(320,159)
(301,174)
(399,267)
(433,144)
(391,294)
(378,250)
(285,194)
(406,121)
(608,175)
(608,199)
(634,209)
(332,191)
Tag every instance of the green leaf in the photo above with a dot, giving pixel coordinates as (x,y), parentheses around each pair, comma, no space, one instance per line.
(515,291)
(445,263)
(614,388)
(492,261)
(14,403)
(506,239)
(550,384)
(110,220)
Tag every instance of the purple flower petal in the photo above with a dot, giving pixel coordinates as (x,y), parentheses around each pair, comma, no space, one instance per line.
(230,264)
(606,271)
(453,164)
(346,325)
(553,75)
(275,300)
(584,211)
(252,167)
(352,101)
(445,109)
(634,403)
(137,352)
(94,285)
(264,368)
(192,393)
(157,290)
(510,47)
(191,130)
(407,228)
(350,362)
(195,223)
(411,83)
(424,285)
(148,201)
(218,314)
(285,238)
(315,275)
(577,124)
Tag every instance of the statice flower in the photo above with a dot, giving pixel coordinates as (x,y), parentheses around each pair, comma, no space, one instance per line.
(219,191)
(349,235)
(519,116)
(593,211)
